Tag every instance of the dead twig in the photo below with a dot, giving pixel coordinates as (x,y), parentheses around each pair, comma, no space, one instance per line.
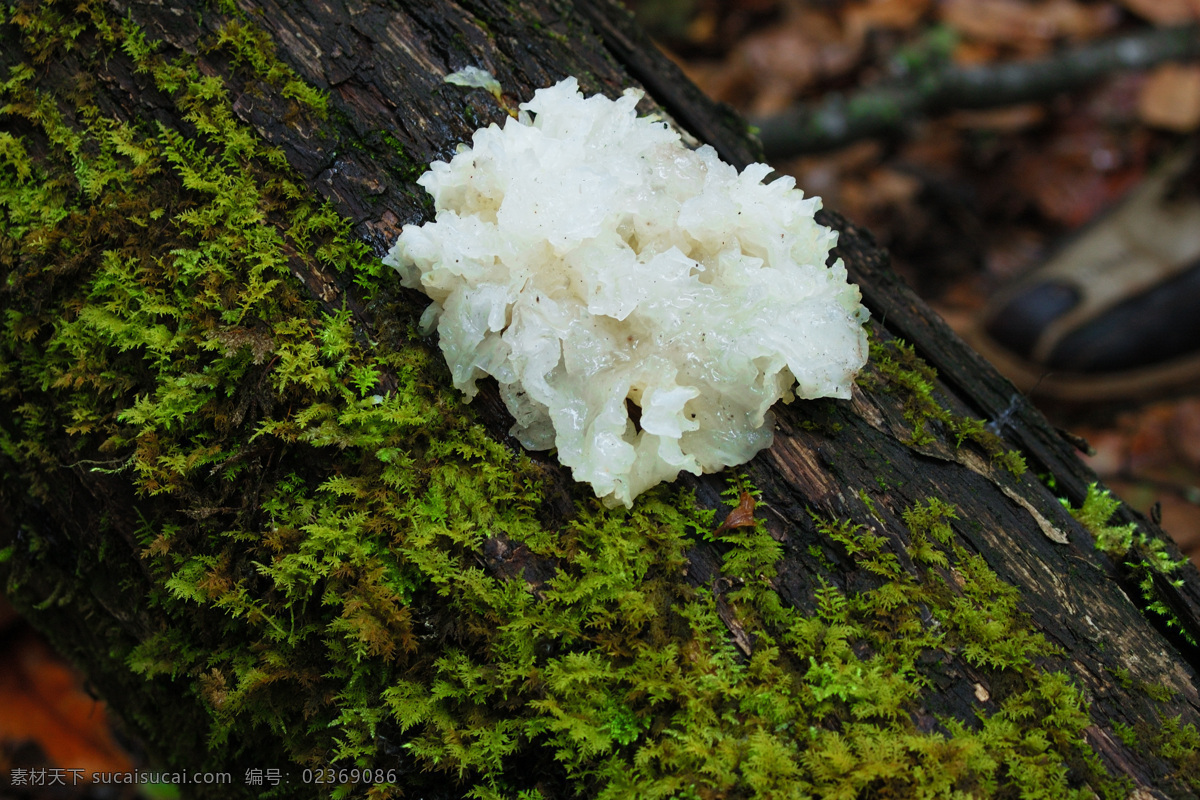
(838,120)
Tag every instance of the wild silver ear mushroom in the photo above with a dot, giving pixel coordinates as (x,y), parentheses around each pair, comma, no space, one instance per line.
(589,261)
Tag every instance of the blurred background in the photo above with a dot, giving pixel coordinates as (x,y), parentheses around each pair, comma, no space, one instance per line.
(969,187)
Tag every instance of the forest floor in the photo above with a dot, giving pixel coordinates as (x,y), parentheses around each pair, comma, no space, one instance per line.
(968,200)
(965,201)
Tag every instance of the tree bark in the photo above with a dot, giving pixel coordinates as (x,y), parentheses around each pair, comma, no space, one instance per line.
(237,492)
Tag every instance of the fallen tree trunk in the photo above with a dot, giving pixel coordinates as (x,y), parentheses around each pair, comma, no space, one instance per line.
(238,491)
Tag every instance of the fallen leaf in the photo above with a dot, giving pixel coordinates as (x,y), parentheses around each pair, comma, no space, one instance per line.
(860,18)
(893,187)
(830,174)
(1185,425)
(880,192)
(974,53)
(1111,451)
(806,47)
(1170,98)
(1013,251)
(742,516)
(1029,27)
(42,700)
(1080,174)
(1149,437)
(1012,118)
(1164,12)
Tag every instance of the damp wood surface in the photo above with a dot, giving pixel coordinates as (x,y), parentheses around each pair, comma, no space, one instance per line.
(859,464)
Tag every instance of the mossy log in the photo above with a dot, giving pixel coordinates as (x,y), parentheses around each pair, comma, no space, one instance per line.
(236,488)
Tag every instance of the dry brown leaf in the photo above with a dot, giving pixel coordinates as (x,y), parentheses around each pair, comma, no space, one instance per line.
(859,18)
(742,516)
(1077,176)
(961,321)
(1111,450)
(1165,12)
(893,187)
(829,175)
(1013,118)
(42,700)
(1160,439)
(938,150)
(1149,442)
(1029,27)
(1013,251)
(974,53)
(859,202)
(1186,431)
(774,95)
(961,304)
(807,47)
(1170,98)
(967,296)
(784,53)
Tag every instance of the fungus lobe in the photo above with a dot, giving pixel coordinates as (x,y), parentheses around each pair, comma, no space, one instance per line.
(590,262)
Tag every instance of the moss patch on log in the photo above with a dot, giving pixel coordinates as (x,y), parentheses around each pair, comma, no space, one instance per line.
(1146,557)
(896,368)
(341,561)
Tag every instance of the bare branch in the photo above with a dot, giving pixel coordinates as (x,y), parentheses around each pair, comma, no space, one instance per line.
(838,120)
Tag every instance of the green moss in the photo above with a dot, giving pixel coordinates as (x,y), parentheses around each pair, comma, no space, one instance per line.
(1179,743)
(1174,741)
(897,369)
(250,48)
(1155,691)
(821,417)
(1145,556)
(316,510)
(406,166)
(984,625)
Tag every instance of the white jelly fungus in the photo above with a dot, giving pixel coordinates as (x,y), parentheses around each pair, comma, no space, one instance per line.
(475,77)
(641,305)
